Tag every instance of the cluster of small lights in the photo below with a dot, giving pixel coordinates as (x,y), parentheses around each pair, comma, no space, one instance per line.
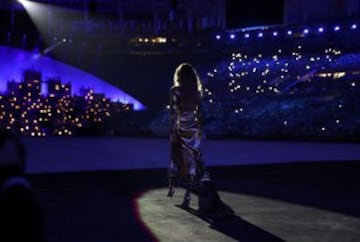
(25,110)
(259,74)
(156,40)
(269,74)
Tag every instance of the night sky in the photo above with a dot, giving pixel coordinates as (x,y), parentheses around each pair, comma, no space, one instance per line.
(247,13)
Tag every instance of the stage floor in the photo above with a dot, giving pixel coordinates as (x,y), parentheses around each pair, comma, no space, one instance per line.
(115,190)
(64,154)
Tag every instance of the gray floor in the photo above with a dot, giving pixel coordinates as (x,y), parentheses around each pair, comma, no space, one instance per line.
(284,220)
(114,190)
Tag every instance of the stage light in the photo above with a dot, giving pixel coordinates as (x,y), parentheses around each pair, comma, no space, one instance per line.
(321,29)
(21,1)
(64,40)
(354,26)
(218,36)
(260,35)
(232,36)
(336,28)
(306,31)
(289,32)
(275,33)
(247,35)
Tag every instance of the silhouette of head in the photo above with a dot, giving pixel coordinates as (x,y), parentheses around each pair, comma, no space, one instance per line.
(187,79)
(186,75)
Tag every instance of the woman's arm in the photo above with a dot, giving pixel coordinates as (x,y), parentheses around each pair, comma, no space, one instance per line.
(173,111)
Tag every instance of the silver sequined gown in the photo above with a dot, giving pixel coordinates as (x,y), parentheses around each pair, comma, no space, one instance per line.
(185,135)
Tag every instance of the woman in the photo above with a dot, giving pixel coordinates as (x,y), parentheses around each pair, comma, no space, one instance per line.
(186,164)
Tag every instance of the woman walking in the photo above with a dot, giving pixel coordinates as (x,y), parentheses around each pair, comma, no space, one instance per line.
(186,163)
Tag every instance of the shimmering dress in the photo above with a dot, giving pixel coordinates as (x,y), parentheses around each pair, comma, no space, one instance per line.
(186,163)
(185,136)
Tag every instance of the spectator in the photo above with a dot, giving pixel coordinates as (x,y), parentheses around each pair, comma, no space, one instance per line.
(20,215)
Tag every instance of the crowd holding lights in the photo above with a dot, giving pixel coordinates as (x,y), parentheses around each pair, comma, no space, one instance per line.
(278,73)
(290,88)
(26,109)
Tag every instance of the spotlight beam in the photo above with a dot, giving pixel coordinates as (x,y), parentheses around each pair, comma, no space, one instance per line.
(51,48)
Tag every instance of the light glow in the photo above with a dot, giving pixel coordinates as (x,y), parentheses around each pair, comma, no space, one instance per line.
(13,61)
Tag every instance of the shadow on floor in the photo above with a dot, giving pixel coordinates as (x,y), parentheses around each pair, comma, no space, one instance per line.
(236,228)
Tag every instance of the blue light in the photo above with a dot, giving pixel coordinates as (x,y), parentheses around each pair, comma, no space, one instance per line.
(247,35)
(336,28)
(218,36)
(289,32)
(44,89)
(232,36)
(306,31)
(321,29)
(275,34)
(260,35)
(354,26)
(13,61)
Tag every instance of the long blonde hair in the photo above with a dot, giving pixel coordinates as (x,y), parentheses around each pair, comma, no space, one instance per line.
(188,82)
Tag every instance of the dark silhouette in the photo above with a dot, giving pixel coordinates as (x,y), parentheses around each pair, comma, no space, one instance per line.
(20,215)
(235,227)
